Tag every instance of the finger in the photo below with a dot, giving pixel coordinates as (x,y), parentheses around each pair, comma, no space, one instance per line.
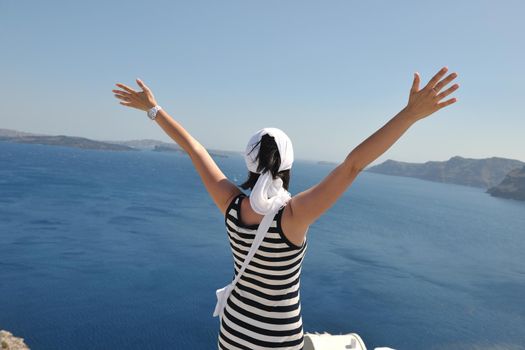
(436,78)
(415,83)
(142,85)
(126,103)
(125,98)
(445,81)
(447,102)
(120,92)
(127,88)
(447,91)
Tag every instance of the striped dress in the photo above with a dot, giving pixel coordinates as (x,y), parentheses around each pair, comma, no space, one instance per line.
(264,310)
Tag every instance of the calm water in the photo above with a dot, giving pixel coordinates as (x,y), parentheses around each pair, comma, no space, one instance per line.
(124,250)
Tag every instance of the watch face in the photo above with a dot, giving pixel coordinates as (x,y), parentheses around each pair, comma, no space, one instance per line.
(153,112)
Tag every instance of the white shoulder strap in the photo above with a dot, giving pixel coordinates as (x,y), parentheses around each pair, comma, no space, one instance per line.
(224,293)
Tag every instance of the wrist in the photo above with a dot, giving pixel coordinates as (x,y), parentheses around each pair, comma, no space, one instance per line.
(408,115)
(150,105)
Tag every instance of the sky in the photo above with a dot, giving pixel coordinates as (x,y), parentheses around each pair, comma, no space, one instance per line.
(328,73)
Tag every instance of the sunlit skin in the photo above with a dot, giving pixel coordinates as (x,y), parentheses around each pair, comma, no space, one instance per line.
(306,207)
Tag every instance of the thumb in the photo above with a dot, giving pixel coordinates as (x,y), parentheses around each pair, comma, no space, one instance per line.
(142,85)
(415,83)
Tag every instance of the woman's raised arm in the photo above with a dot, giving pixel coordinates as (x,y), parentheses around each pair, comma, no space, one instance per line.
(308,205)
(217,184)
(421,104)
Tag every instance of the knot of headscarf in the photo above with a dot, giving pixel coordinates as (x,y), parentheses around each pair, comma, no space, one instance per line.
(268,194)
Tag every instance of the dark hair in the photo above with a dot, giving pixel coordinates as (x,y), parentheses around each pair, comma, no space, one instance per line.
(269,159)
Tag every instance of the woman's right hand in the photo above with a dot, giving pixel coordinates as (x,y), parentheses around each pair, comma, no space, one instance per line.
(424,102)
(143,100)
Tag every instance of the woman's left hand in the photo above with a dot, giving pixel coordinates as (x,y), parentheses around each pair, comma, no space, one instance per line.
(143,100)
(423,102)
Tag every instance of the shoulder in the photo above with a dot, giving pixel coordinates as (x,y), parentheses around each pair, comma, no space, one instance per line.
(293,231)
(233,201)
(234,198)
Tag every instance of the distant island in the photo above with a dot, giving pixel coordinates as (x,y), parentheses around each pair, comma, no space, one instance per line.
(175,148)
(496,173)
(85,143)
(326,162)
(68,141)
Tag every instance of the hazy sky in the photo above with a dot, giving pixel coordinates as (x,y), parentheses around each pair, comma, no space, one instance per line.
(329,73)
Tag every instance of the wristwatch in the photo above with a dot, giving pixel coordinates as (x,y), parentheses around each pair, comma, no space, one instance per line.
(152,112)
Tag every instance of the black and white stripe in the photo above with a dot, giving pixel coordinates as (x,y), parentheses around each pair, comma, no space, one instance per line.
(264,309)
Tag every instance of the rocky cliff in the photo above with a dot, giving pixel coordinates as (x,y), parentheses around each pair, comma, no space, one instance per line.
(484,173)
(512,186)
(9,342)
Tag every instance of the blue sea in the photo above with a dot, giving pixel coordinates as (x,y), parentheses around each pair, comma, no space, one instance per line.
(124,250)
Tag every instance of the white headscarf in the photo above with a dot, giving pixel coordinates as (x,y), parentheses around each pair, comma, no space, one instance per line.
(268,195)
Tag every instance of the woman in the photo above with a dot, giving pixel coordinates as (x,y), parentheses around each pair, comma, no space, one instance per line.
(263,310)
